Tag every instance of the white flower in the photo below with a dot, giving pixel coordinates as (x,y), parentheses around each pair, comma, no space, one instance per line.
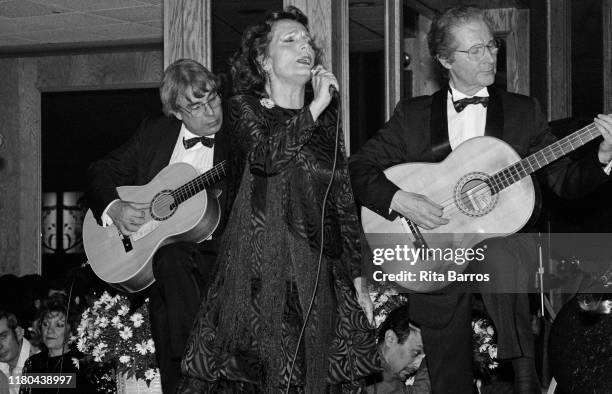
(105,297)
(124,359)
(123,311)
(117,322)
(493,351)
(99,352)
(103,322)
(483,348)
(266,102)
(141,348)
(125,333)
(150,374)
(490,330)
(82,345)
(493,365)
(151,346)
(137,319)
(75,362)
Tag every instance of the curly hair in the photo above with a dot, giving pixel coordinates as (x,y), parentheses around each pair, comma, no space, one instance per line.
(440,38)
(248,76)
(58,304)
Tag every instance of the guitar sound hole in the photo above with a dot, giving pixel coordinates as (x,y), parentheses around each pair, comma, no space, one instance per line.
(473,195)
(163,205)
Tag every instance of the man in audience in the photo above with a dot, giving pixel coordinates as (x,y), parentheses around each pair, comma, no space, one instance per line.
(400,348)
(14,349)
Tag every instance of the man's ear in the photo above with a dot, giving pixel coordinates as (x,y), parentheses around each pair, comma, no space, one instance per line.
(177,115)
(446,63)
(19,333)
(390,337)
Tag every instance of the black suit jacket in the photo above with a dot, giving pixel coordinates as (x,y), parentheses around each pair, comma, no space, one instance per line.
(418,132)
(138,161)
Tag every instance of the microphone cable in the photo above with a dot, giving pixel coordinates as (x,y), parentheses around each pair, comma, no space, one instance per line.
(319,263)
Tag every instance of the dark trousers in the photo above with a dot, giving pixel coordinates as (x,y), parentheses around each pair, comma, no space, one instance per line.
(445,322)
(182,274)
(511,263)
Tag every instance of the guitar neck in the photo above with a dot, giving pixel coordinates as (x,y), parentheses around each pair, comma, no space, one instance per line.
(543,157)
(199,183)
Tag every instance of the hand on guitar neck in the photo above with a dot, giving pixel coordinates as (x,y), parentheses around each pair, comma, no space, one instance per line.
(419,209)
(127,216)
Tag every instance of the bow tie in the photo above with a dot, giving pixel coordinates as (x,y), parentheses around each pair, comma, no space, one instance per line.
(206,141)
(461,104)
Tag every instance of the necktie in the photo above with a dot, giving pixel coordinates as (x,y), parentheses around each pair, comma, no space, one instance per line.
(206,141)
(461,104)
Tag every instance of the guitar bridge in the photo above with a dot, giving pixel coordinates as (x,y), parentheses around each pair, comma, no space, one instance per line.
(127,243)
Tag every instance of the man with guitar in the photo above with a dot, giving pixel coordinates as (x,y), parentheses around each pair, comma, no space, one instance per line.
(427,129)
(186,134)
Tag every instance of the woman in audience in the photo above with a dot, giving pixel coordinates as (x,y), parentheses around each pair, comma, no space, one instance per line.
(56,323)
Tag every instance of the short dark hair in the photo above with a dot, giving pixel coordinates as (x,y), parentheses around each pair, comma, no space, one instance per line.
(179,77)
(11,320)
(440,38)
(248,77)
(399,322)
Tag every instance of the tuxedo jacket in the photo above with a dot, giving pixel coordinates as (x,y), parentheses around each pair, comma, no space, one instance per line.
(418,132)
(138,161)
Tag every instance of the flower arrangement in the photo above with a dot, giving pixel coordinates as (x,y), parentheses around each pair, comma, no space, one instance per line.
(485,349)
(110,333)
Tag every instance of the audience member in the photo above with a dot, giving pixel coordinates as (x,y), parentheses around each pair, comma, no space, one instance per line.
(14,350)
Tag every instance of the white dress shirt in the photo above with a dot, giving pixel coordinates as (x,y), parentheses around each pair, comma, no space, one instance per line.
(468,123)
(24,354)
(199,156)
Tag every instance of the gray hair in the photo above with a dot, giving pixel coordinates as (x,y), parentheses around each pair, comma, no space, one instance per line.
(179,77)
(440,38)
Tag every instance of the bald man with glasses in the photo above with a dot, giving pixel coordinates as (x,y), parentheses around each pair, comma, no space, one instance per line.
(189,133)
(427,129)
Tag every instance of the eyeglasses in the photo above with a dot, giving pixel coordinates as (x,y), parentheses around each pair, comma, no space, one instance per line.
(214,100)
(477,51)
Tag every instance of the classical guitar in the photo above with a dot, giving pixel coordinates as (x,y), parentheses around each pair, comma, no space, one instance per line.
(180,209)
(486,191)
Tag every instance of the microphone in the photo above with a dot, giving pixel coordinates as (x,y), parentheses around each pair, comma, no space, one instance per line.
(333,92)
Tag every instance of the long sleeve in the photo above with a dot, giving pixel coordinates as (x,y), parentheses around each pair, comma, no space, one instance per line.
(387,148)
(273,145)
(118,168)
(347,214)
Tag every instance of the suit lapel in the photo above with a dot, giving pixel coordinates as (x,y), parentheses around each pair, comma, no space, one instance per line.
(495,115)
(167,140)
(440,144)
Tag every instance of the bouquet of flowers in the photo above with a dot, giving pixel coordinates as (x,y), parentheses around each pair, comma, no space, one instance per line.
(110,333)
(385,298)
(485,349)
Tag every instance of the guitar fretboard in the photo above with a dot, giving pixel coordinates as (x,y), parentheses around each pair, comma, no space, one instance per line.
(541,158)
(196,185)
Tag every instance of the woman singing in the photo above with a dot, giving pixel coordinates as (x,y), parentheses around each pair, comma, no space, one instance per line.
(246,335)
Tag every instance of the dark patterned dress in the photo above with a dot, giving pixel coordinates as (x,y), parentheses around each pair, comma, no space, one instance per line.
(246,332)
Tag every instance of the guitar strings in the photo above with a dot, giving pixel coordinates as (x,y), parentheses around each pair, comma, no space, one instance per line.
(188,188)
(556,149)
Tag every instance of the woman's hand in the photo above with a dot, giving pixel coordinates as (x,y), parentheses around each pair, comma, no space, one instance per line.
(363,298)
(321,81)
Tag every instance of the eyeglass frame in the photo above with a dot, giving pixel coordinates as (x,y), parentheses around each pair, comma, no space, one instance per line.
(493,49)
(195,107)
